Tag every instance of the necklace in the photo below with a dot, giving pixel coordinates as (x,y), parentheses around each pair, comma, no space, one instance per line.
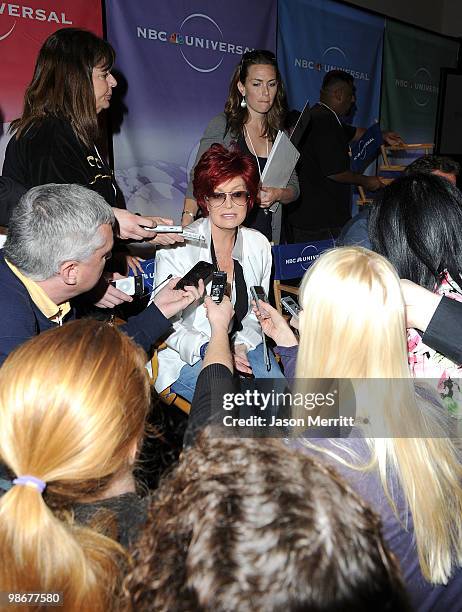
(229,281)
(332,111)
(247,135)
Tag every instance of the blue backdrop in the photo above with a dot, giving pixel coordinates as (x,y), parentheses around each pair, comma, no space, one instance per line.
(316,36)
(176,63)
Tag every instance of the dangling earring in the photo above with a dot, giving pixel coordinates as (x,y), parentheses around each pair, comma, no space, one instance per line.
(243,102)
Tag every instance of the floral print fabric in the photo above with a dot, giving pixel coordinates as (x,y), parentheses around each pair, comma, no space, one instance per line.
(427,363)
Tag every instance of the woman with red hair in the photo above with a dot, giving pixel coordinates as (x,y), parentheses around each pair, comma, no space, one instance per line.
(255,111)
(225,187)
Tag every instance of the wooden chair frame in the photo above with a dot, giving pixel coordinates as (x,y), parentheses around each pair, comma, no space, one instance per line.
(278,288)
(386,166)
(167,396)
(427,148)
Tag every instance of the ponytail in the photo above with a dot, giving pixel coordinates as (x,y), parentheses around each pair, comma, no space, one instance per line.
(46,554)
(73,404)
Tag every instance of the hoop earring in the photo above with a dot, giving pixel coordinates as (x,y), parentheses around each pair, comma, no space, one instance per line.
(243,102)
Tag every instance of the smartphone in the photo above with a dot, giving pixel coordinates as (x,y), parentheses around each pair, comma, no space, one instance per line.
(202,270)
(131,285)
(291,306)
(217,291)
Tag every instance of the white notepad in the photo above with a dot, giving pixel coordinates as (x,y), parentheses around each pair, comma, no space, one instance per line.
(281,162)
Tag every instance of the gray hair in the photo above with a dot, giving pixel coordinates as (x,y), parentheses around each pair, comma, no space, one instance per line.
(55,223)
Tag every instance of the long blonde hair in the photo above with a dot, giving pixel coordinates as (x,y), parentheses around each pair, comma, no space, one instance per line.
(73,403)
(353,326)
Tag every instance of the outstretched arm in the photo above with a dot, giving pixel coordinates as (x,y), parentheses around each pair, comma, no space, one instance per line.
(370,183)
(219,316)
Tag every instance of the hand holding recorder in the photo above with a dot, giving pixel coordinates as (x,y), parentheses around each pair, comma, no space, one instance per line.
(108,294)
(219,315)
(133,226)
(170,300)
(274,325)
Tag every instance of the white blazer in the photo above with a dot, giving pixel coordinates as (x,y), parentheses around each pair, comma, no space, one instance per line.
(191,327)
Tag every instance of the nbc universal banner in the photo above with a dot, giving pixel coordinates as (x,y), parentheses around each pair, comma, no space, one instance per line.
(315,36)
(24,26)
(174,62)
(411,72)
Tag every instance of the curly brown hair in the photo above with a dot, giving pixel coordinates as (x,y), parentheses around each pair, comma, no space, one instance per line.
(236,116)
(247,524)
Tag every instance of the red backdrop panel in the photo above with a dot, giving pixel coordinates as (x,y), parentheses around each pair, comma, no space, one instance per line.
(23,29)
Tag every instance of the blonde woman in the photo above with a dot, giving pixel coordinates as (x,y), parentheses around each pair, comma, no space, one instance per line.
(73,403)
(353,326)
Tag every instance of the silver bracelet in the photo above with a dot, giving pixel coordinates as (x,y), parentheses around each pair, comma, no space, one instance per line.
(188,212)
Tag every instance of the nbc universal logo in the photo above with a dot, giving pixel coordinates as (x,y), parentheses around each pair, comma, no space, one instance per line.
(421,84)
(333,58)
(307,257)
(202,51)
(18,11)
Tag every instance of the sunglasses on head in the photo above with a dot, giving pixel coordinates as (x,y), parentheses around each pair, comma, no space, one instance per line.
(248,56)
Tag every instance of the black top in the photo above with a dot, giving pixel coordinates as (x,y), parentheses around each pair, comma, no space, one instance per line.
(49,152)
(10,193)
(214,376)
(124,516)
(444,332)
(258,218)
(324,151)
(241,305)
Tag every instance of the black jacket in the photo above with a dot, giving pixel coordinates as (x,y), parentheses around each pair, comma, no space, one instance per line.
(49,152)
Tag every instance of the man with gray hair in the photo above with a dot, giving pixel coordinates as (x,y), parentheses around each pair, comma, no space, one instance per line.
(59,239)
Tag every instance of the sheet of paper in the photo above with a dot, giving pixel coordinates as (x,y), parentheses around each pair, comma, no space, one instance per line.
(281,162)
(302,123)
